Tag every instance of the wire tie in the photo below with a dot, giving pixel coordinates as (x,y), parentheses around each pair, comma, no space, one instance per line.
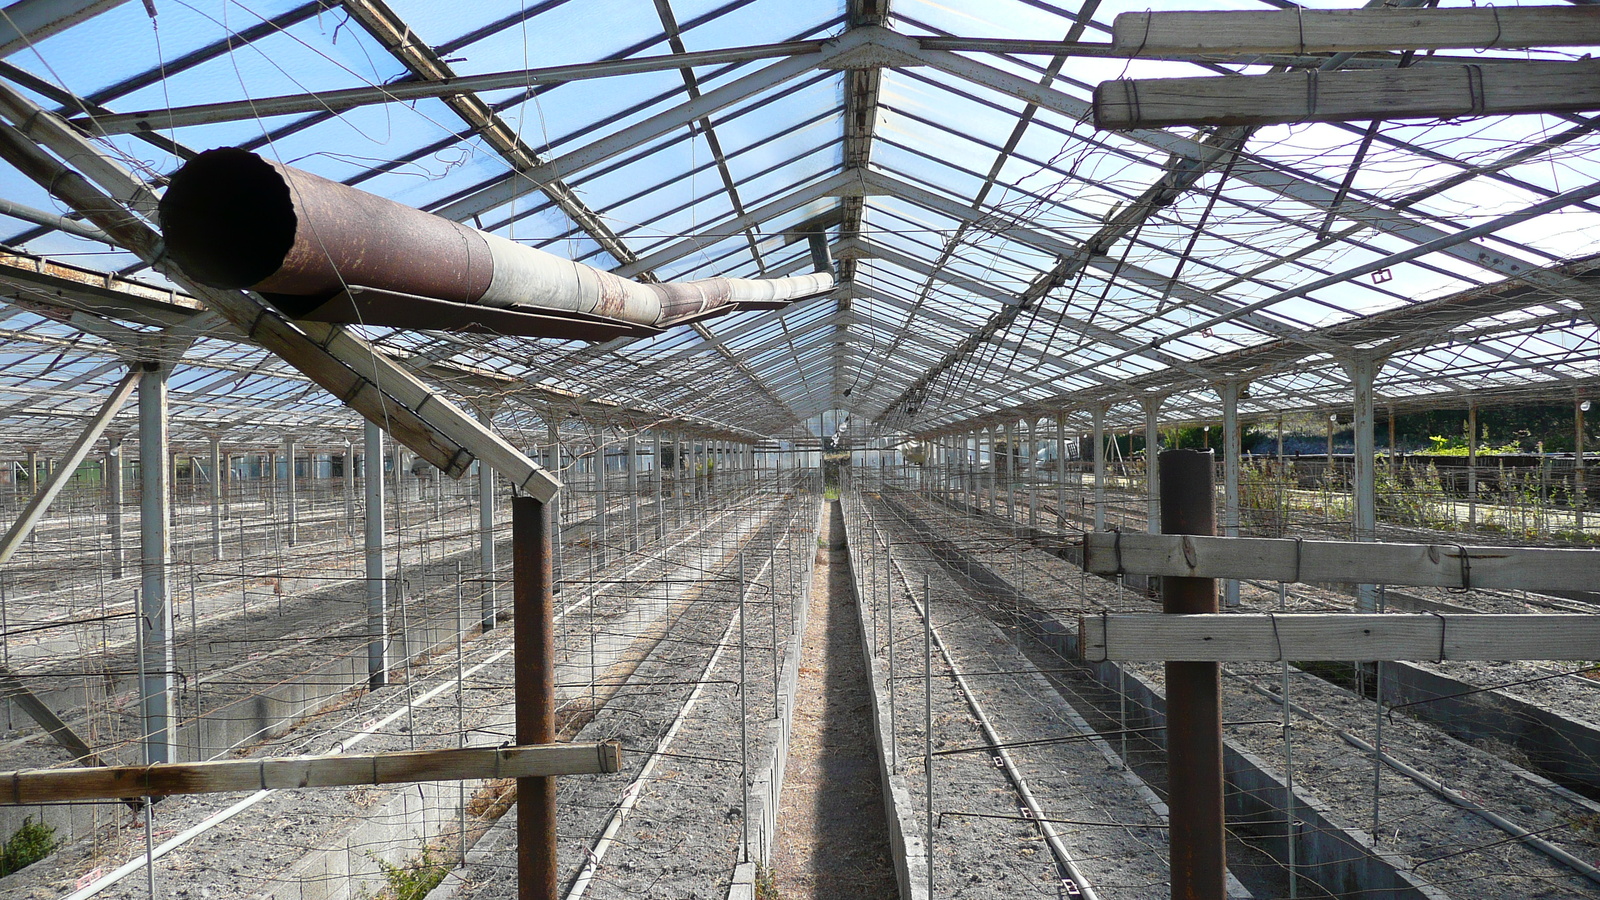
(1299,544)
(1311,94)
(1443,623)
(1466,571)
(1276,637)
(1116,547)
(1475,90)
(1300,19)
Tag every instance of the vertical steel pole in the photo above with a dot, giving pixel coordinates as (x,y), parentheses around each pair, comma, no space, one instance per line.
(1232,449)
(1194,709)
(114,500)
(377,585)
(216,496)
(553,463)
(289,490)
(533,639)
(1061,470)
(350,487)
(1098,418)
(155,608)
(1152,463)
(1363,371)
(489,596)
(1580,488)
(1472,464)
(632,458)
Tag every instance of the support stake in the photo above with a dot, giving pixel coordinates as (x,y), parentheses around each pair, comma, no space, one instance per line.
(1194,708)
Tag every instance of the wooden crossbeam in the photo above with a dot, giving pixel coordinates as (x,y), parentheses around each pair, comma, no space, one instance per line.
(1234,32)
(1350,562)
(119,782)
(1336,636)
(1422,92)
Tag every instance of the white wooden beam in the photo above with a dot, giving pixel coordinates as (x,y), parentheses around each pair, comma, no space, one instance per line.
(1425,92)
(1299,637)
(115,782)
(1274,559)
(1232,32)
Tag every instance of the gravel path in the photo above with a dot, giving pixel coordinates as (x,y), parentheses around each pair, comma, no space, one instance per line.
(832,841)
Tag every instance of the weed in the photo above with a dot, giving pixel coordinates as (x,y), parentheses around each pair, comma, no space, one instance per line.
(415,879)
(766,886)
(32,842)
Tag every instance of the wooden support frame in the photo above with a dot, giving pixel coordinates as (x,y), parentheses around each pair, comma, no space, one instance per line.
(1312,637)
(1349,562)
(1417,93)
(1235,32)
(117,782)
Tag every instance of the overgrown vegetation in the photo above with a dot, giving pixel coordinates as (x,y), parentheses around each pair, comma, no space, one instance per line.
(415,879)
(32,842)
(766,886)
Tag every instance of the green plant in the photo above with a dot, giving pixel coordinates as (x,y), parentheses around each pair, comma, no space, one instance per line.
(1457,446)
(415,879)
(32,842)
(766,887)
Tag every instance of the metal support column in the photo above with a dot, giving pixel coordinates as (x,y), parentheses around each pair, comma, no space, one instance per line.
(632,472)
(291,489)
(1098,418)
(1232,448)
(1194,690)
(216,496)
(597,469)
(155,551)
(1061,470)
(1363,371)
(533,627)
(1580,487)
(489,596)
(114,500)
(377,585)
(350,487)
(1472,464)
(992,440)
(557,502)
(1033,472)
(1152,462)
(1011,473)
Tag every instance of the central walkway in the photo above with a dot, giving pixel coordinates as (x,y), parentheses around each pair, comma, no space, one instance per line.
(832,840)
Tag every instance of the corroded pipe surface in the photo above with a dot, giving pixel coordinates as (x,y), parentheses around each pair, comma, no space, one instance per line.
(320,249)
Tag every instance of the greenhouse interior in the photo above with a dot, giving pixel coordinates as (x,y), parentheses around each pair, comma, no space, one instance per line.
(780,450)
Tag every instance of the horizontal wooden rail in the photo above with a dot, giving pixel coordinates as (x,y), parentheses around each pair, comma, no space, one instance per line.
(1234,32)
(1211,637)
(1352,562)
(120,782)
(1425,92)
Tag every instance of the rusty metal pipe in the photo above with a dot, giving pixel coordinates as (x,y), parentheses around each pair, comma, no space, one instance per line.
(233,219)
(1194,695)
(534,681)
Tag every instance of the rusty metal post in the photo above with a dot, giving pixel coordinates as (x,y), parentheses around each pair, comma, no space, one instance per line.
(533,636)
(1194,707)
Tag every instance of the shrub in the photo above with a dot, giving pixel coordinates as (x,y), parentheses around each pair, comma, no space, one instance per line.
(32,842)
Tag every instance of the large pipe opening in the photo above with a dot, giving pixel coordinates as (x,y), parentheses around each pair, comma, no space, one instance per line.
(228,218)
